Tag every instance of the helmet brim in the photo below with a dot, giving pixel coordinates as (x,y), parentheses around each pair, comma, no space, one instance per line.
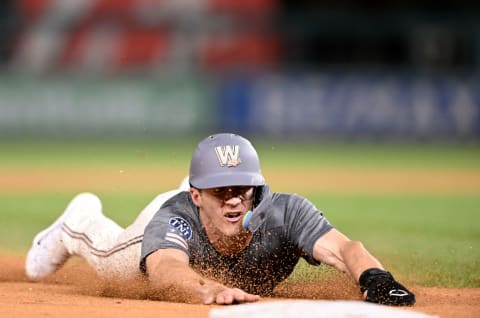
(229,179)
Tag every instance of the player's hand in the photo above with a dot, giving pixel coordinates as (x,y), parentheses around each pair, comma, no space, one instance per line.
(380,287)
(230,296)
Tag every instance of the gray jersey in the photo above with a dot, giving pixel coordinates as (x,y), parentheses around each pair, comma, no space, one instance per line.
(289,231)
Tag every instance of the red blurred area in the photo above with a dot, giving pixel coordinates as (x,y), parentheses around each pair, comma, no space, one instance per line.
(138,47)
(140,33)
(31,9)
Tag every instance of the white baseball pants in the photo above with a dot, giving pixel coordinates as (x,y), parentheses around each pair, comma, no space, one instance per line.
(112,251)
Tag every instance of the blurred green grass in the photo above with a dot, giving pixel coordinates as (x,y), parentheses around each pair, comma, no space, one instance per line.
(172,152)
(431,240)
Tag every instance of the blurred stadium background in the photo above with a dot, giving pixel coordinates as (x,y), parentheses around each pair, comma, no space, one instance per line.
(328,70)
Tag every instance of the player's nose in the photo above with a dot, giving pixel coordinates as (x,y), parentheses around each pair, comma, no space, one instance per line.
(233,201)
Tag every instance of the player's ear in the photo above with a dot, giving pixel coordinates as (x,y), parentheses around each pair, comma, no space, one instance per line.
(196,197)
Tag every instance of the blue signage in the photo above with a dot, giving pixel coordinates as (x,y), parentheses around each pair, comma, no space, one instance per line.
(404,106)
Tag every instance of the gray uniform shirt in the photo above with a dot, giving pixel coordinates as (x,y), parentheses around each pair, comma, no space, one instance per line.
(288,232)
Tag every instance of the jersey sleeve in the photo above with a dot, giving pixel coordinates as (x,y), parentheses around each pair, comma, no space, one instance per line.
(169,228)
(305,224)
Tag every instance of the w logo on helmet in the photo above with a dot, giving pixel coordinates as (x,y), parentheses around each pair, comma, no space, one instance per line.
(228,155)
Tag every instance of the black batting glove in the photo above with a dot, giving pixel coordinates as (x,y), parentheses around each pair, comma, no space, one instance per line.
(382,288)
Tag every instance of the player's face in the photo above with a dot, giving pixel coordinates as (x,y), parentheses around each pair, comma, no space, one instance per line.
(222,209)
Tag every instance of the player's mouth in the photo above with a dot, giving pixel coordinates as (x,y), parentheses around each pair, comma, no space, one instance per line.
(234,216)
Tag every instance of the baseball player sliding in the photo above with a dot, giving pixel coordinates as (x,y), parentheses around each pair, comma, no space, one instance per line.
(221,238)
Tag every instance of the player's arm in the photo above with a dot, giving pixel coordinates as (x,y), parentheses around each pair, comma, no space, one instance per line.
(335,249)
(378,285)
(170,275)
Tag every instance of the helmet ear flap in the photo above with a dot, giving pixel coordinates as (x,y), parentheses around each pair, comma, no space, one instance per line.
(259,193)
(261,206)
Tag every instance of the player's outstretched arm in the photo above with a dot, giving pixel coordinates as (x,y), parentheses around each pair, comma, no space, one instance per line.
(171,276)
(378,285)
(335,249)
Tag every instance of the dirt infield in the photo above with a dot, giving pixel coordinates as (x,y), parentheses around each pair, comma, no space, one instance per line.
(75,292)
(299,180)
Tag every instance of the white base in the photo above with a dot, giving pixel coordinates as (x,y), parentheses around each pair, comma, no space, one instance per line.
(314,309)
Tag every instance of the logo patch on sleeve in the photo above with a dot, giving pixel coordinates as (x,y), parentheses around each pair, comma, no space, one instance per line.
(182,226)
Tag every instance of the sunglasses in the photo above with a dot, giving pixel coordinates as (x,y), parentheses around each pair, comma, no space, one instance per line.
(245,193)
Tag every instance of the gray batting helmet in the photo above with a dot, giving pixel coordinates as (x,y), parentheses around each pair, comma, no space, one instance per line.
(225,160)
